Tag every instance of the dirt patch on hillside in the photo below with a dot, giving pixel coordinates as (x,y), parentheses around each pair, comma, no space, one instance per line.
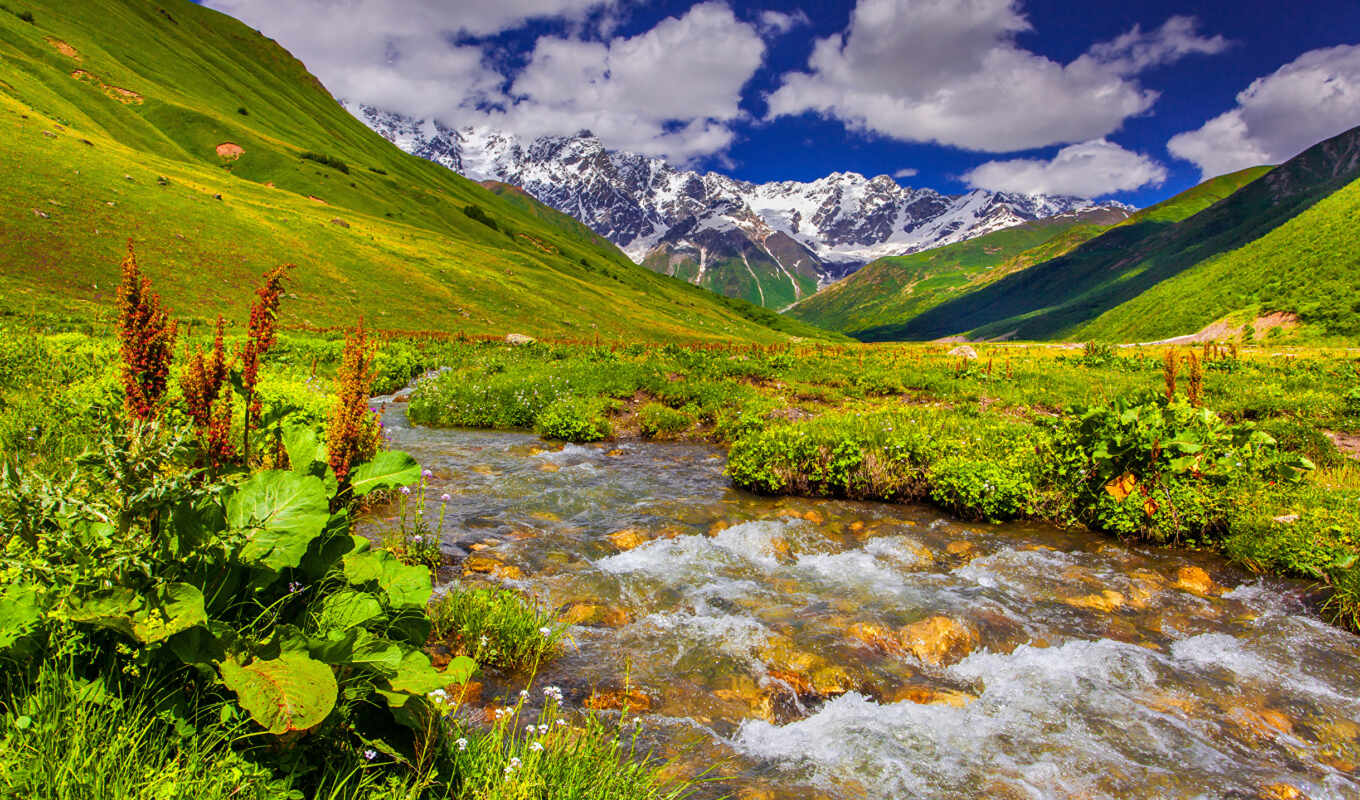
(125,96)
(1347,443)
(1220,331)
(230,150)
(64,48)
(316,199)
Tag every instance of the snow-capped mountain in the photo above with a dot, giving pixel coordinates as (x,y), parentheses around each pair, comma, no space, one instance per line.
(771,243)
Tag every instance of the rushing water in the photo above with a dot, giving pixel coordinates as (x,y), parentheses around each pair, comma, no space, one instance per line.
(768,634)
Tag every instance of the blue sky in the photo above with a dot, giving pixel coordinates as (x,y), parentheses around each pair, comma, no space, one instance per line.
(1134,101)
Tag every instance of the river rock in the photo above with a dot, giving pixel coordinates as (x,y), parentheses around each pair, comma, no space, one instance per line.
(1281,791)
(964,351)
(929,695)
(1196,581)
(628,538)
(938,640)
(485,565)
(1106,601)
(518,338)
(595,614)
(614,699)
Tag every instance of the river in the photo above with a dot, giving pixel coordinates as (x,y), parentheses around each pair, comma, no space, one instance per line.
(823,649)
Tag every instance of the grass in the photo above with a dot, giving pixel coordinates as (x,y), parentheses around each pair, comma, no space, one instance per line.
(495,626)
(85,167)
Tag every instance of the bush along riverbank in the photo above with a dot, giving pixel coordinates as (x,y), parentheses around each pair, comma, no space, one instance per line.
(1207,447)
(184,610)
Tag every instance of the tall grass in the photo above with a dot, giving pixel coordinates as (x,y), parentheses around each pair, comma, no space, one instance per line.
(495,626)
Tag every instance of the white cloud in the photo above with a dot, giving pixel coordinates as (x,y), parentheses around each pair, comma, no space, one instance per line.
(906,172)
(1090,169)
(949,71)
(671,91)
(778,23)
(1310,99)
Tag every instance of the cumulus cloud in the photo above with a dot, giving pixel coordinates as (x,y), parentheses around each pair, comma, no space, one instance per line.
(1090,169)
(1310,99)
(906,172)
(949,71)
(778,23)
(673,90)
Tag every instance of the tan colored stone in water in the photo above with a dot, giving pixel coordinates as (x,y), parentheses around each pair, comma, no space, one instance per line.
(961,547)
(1106,601)
(1281,791)
(815,517)
(938,640)
(830,681)
(928,695)
(780,652)
(718,527)
(548,466)
(635,699)
(546,516)
(856,526)
(478,546)
(628,538)
(1196,581)
(485,565)
(595,614)
(780,546)
(615,453)
(874,635)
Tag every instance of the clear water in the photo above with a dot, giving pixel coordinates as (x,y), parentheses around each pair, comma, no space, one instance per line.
(736,603)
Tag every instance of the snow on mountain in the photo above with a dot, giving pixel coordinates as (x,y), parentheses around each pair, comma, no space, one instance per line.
(709,227)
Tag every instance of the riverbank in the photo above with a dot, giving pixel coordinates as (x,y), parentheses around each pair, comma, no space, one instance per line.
(1232,451)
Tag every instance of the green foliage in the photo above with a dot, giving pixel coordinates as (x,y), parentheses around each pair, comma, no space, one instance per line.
(495,626)
(980,489)
(330,161)
(476,212)
(572,419)
(658,421)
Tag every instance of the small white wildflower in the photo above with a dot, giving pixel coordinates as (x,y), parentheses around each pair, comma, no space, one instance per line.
(406,490)
(445,497)
(542,729)
(462,745)
(370,754)
(515,762)
(524,694)
(544,631)
(509,770)
(537,747)
(482,641)
(425,473)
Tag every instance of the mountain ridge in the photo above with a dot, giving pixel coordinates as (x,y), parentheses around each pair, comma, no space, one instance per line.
(708,227)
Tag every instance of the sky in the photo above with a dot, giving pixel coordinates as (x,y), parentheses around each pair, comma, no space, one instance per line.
(1132,101)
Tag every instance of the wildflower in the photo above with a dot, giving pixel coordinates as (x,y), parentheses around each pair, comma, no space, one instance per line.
(542,729)
(537,747)
(352,433)
(294,587)
(544,631)
(481,642)
(417,538)
(425,473)
(445,497)
(515,762)
(462,744)
(147,335)
(406,490)
(370,754)
(561,723)
(524,694)
(529,729)
(260,337)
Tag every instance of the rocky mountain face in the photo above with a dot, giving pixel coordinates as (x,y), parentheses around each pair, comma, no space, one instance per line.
(771,243)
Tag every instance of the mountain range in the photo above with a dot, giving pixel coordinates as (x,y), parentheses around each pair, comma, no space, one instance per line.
(771,243)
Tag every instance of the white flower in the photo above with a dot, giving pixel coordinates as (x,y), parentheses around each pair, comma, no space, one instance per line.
(514,762)
(417,538)
(462,745)
(445,497)
(529,729)
(524,694)
(370,754)
(544,631)
(406,490)
(537,747)
(561,723)
(542,729)
(425,473)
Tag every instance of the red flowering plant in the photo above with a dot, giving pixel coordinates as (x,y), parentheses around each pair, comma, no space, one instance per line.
(209,407)
(261,333)
(353,432)
(147,338)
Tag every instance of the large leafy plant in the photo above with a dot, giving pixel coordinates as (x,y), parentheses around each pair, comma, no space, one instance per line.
(257,584)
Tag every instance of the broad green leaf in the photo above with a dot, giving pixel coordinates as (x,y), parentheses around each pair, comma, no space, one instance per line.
(290,693)
(109,608)
(376,653)
(173,608)
(416,675)
(349,609)
(19,613)
(404,585)
(286,512)
(388,470)
(306,453)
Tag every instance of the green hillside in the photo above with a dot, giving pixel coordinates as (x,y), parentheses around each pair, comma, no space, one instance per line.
(774,276)
(1059,298)
(221,156)
(894,289)
(1298,268)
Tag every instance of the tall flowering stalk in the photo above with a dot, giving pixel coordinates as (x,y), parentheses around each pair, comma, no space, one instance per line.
(147,336)
(202,384)
(352,432)
(260,337)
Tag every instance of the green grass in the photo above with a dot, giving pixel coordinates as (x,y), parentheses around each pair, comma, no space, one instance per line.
(892,290)
(755,276)
(82,172)
(495,626)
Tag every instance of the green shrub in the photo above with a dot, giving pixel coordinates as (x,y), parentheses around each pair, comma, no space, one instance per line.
(330,161)
(1350,402)
(475,212)
(978,489)
(572,419)
(660,422)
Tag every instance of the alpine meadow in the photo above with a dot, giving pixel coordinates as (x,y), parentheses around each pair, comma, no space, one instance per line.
(618,400)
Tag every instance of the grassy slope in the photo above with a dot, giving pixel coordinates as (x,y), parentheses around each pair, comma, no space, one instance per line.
(757,279)
(1297,267)
(1121,261)
(389,238)
(1061,297)
(894,289)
